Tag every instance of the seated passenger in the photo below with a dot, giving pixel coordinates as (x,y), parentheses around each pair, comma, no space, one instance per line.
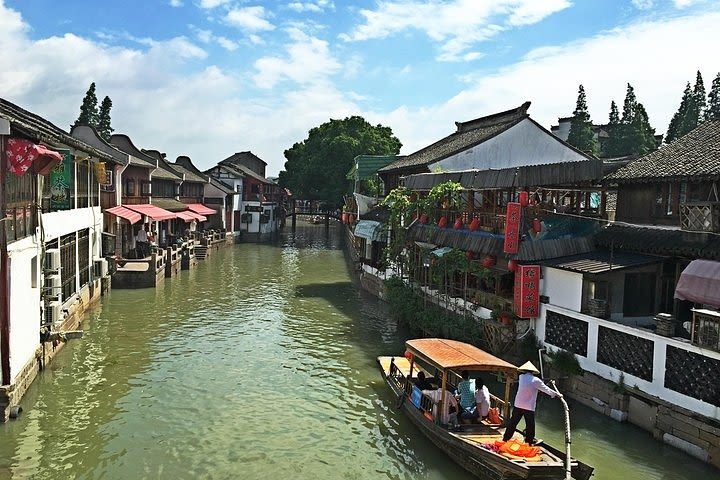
(423,383)
(482,398)
(450,406)
(466,389)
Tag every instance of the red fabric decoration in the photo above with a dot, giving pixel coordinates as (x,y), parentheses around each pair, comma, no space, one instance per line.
(512,265)
(526,293)
(474,225)
(408,355)
(458,224)
(442,223)
(22,154)
(423,219)
(523,198)
(512,228)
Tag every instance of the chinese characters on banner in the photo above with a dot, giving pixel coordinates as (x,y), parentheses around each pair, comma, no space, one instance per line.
(512,228)
(527,291)
(61,181)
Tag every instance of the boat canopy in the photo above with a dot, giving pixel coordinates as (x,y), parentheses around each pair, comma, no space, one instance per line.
(451,354)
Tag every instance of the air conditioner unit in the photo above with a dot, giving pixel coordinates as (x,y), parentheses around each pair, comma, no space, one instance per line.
(53,312)
(53,282)
(52,259)
(101,267)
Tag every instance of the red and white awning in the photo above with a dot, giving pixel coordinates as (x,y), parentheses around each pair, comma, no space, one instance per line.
(157,214)
(187,216)
(201,209)
(22,154)
(126,213)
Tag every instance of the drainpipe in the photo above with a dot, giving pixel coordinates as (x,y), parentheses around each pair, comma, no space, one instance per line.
(4,265)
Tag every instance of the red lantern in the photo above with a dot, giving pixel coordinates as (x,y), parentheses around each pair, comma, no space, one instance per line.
(523,198)
(423,219)
(488,261)
(474,225)
(458,224)
(512,265)
(469,255)
(536,225)
(408,355)
(442,223)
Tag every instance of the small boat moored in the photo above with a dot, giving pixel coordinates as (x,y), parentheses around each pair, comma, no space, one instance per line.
(477,447)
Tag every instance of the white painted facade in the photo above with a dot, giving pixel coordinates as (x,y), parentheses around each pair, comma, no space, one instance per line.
(521,145)
(564,292)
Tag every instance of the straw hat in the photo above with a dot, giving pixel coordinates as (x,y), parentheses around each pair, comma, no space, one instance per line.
(528,367)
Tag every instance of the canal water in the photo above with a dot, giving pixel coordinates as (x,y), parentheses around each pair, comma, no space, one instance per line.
(259,363)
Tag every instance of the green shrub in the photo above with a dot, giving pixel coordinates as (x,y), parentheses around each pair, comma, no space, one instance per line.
(565,362)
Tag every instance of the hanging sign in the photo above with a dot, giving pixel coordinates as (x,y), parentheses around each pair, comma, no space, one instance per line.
(526,293)
(61,182)
(512,228)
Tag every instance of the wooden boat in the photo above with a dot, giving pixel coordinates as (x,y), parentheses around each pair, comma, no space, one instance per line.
(470,445)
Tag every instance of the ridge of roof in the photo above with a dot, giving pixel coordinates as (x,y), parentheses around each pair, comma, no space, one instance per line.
(88,133)
(129,147)
(494,119)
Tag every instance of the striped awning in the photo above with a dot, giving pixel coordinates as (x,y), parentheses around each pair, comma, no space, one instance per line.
(187,216)
(124,213)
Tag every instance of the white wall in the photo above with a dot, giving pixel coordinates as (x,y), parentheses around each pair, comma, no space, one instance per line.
(563,288)
(523,144)
(656,386)
(24,303)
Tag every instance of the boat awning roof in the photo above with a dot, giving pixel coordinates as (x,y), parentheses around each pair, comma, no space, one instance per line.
(187,216)
(155,213)
(125,213)
(201,209)
(369,229)
(700,283)
(451,354)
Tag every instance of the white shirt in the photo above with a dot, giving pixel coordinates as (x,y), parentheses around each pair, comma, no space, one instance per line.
(528,387)
(482,399)
(142,235)
(435,396)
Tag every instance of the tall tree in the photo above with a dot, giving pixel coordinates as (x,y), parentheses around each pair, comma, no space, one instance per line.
(675,127)
(103,126)
(699,96)
(612,146)
(712,112)
(316,168)
(89,108)
(636,136)
(581,134)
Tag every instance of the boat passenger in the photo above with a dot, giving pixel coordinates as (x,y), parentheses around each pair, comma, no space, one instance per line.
(450,406)
(525,400)
(423,383)
(466,389)
(482,398)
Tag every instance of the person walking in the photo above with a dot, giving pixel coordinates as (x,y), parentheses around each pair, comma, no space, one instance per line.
(525,400)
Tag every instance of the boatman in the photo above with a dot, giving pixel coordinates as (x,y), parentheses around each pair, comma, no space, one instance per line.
(525,400)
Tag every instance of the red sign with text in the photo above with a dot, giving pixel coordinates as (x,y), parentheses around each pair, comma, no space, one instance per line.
(512,228)
(526,293)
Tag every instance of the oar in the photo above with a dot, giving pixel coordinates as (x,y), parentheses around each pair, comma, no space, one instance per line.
(568,469)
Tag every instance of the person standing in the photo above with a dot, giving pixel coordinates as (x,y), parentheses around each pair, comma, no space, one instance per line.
(525,400)
(142,242)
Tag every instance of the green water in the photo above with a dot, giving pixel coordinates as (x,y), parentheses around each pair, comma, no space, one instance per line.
(259,363)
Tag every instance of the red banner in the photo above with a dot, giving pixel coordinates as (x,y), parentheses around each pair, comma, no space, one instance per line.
(512,228)
(526,293)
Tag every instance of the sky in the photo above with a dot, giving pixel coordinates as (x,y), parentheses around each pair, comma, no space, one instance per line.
(208,78)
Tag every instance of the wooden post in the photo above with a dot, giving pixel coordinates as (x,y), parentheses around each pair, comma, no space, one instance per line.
(294,216)
(4,276)
(506,409)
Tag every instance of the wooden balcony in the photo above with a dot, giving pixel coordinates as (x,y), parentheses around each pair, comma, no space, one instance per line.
(490,221)
(700,216)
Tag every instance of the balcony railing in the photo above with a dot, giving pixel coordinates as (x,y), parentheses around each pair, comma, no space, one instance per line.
(489,221)
(700,216)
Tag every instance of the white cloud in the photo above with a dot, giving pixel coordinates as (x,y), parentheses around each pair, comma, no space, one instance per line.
(685,3)
(643,4)
(308,60)
(252,19)
(176,3)
(210,4)
(315,7)
(638,53)
(456,26)
(227,44)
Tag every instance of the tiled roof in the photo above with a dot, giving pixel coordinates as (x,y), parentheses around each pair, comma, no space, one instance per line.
(468,134)
(601,261)
(137,158)
(37,127)
(694,156)
(190,176)
(660,241)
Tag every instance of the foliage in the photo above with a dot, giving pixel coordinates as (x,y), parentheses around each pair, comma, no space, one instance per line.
(620,385)
(581,134)
(103,126)
(371,186)
(528,347)
(565,362)
(712,112)
(693,110)
(633,135)
(409,309)
(316,168)
(89,108)
(613,129)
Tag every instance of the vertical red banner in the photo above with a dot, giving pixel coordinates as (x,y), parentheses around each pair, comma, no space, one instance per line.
(512,228)
(526,294)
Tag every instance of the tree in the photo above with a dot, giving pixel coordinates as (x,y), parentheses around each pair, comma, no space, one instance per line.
(103,126)
(88,109)
(675,127)
(581,134)
(712,112)
(699,96)
(316,168)
(612,146)
(635,135)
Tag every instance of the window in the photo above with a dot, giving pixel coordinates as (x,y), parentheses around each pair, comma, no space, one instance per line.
(145,188)
(130,187)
